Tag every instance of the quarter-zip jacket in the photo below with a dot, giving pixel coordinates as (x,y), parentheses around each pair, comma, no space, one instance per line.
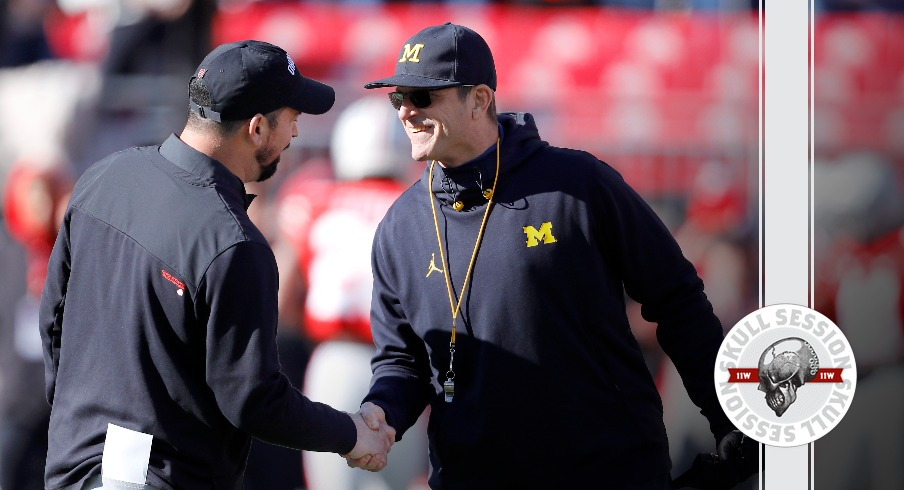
(551,387)
(159,315)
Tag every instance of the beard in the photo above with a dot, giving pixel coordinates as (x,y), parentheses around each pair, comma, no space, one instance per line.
(267,169)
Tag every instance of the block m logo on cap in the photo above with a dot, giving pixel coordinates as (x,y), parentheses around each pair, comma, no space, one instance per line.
(411,53)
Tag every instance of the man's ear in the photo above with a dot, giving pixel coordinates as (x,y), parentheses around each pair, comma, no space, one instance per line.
(482,97)
(257,127)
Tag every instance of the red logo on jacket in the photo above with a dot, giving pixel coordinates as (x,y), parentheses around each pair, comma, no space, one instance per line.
(169,277)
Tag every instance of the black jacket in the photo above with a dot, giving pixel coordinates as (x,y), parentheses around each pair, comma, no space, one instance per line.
(551,387)
(159,315)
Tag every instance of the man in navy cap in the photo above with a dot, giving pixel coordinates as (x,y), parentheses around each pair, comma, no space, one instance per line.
(499,299)
(159,312)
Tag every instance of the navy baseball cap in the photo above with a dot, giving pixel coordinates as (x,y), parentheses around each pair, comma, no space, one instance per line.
(442,56)
(245,78)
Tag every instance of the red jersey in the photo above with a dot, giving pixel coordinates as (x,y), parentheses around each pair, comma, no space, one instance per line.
(331,227)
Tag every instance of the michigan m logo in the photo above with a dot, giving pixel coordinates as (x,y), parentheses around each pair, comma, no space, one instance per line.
(544,233)
(411,54)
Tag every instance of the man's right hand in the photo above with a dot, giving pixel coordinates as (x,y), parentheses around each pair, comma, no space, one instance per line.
(375,438)
(737,459)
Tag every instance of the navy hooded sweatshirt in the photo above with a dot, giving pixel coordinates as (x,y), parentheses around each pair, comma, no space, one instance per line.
(159,315)
(551,387)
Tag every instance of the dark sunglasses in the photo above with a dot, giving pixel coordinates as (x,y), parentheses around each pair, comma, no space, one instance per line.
(418,98)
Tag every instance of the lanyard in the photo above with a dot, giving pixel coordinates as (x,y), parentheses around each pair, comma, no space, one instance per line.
(449,383)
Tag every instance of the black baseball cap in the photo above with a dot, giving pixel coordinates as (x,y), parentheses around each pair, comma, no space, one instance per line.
(442,56)
(245,78)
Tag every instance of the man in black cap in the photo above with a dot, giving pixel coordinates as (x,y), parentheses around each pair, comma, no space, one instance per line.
(499,299)
(158,315)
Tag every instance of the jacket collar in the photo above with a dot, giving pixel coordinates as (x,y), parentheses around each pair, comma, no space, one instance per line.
(203,169)
(466,182)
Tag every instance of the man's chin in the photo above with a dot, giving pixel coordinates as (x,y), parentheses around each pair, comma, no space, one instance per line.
(268,171)
(420,156)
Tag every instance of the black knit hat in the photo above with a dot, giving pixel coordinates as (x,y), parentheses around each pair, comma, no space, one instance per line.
(245,78)
(442,56)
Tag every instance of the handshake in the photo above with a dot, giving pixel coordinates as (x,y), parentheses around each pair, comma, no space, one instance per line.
(375,438)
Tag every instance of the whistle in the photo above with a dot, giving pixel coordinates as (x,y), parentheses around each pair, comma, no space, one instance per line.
(449,389)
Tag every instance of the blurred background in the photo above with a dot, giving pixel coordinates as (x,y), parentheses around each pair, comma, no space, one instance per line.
(665,91)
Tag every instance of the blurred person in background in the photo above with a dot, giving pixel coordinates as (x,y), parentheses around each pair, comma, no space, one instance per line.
(148,46)
(148,37)
(859,206)
(159,37)
(328,221)
(158,316)
(34,199)
(511,325)
(22,37)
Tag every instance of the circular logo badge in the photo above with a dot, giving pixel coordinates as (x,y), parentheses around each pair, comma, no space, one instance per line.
(785,375)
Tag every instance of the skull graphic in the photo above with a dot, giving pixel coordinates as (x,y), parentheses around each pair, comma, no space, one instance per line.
(784,367)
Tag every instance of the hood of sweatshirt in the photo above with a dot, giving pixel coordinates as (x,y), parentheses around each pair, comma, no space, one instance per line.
(519,139)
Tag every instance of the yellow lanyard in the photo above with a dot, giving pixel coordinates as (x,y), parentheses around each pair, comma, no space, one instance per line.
(449,384)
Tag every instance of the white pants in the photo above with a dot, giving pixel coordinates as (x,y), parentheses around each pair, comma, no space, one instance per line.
(339,374)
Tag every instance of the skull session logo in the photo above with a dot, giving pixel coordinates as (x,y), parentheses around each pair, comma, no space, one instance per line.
(785,375)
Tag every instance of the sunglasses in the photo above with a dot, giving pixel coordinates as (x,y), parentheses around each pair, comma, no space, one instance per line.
(419,98)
